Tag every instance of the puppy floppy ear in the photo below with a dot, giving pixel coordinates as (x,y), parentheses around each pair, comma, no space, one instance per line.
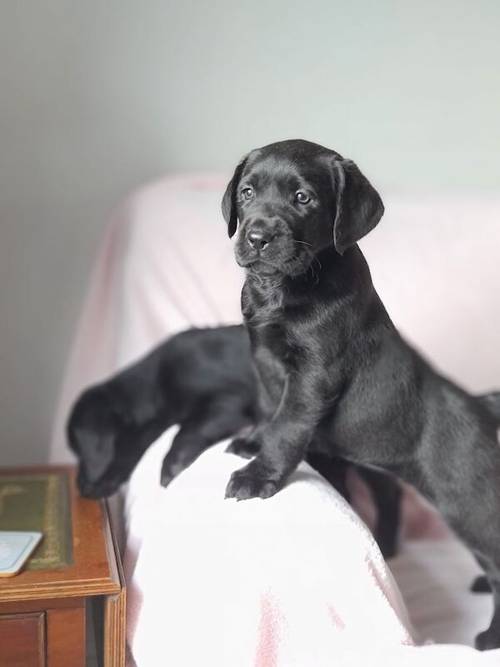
(92,430)
(96,452)
(358,205)
(229,209)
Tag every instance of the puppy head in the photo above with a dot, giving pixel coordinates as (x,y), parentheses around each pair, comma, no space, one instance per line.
(293,199)
(93,430)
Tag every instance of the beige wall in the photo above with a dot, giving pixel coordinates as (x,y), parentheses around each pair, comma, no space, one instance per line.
(96,97)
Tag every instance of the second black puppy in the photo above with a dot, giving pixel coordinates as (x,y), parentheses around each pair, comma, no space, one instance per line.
(333,371)
(200,379)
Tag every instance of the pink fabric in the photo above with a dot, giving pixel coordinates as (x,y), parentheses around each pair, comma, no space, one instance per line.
(165,264)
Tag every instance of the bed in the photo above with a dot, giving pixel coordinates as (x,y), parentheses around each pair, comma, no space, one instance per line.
(297,579)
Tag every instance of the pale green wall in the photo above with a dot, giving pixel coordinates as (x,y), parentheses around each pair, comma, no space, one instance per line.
(97,96)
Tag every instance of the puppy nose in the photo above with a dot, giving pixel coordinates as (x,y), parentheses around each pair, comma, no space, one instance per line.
(258,239)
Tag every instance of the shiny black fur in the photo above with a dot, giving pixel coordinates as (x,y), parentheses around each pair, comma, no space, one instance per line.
(334,373)
(200,379)
(203,380)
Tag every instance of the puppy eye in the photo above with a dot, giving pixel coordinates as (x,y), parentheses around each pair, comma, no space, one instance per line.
(247,193)
(301,197)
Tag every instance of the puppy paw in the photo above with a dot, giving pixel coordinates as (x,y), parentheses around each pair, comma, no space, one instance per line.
(489,639)
(169,470)
(166,476)
(481,585)
(252,481)
(247,449)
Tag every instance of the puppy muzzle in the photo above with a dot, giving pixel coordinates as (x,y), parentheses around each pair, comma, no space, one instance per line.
(264,245)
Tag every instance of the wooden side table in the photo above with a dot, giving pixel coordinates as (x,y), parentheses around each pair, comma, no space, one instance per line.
(42,612)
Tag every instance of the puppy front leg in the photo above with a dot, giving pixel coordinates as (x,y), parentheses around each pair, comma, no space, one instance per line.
(269,396)
(283,440)
(209,424)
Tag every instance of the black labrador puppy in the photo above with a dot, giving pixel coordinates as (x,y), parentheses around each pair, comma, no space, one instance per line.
(200,379)
(330,361)
(203,380)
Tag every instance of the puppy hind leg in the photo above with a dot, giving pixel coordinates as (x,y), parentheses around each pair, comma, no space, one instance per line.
(481,533)
(334,470)
(387,495)
(490,638)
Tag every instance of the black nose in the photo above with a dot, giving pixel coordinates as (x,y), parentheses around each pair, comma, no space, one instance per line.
(258,239)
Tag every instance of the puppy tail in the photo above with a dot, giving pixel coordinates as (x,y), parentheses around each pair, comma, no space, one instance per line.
(492,403)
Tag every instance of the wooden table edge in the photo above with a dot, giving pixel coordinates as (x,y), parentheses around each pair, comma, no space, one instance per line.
(16,589)
(111,588)
(115,612)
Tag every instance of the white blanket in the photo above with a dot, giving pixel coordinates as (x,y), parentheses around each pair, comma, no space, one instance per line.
(251,583)
(293,581)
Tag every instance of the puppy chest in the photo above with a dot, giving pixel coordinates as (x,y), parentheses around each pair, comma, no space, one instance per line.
(270,342)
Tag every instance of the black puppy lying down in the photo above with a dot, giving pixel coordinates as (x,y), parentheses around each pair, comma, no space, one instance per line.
(202,379)
(333,370)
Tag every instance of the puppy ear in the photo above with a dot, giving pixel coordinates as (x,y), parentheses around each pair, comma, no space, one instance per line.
(92,430)
(358,205)
(96,451)
(229,209)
